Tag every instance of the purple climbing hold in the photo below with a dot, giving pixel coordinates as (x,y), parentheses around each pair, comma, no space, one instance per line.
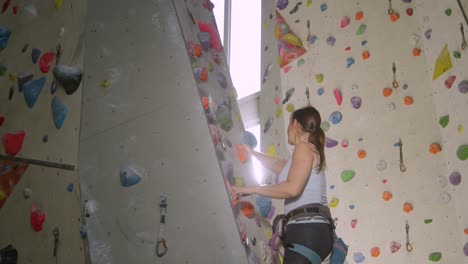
(364,42)
(320,91)
(35,54)
(455,178)
(267,125)
(289,93)
(282,4)
(465,249)
(221,79)
(407,1)
(358,257)
(463,87)
(428,34)
(22,79)
(330,143)
(331,40)
(204,38)
(323,7)
(356,102)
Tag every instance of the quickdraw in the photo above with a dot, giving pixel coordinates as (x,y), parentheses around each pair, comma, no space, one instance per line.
(463,46)
(409,247)
(394,83)
(161,246)
(402,166)
(390,9)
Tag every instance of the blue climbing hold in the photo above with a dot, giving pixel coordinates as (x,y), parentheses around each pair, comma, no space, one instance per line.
(70,187)
(364,42)
(349,62)
(358,257)
(32,90)
(22,79)
(323,7)
(4,37)
(335,117)
(320,91)
(249,139)
(5,168)
(59,112)
(312,39)
(128,176)
(35,54)
(264,205)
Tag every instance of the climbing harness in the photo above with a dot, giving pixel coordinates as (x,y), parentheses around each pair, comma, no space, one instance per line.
(463,46)
(161,246)
(409,247)
(402,166)
(394,83)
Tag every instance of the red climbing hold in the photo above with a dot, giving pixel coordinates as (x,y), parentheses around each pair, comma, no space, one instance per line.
(46,61)
(5,6)
(215,41)
(12,143)
(409,11)
(2,119)
(15,9)
(37,218)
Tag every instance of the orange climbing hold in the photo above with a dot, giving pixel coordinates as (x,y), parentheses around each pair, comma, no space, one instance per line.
(387,196)
(365,55)
(375,252)
(387,92)
(197,50)
(435,148)
(408,100)
(206,103)
(204,75)
(466,231)
(361,154)
(394,17)
(417,52)
(247,209)
(359,15)
(407,207)
(242,154)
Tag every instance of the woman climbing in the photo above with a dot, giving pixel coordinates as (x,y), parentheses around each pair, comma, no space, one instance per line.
(309,229)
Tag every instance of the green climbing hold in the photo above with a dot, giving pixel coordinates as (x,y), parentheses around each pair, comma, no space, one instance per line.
(448,11)
(325,126)
(362,28)
(428,221)
(435,256)
(462,152)
(3,70)
(457,54)
(347,175)
(443,121)
(300,62)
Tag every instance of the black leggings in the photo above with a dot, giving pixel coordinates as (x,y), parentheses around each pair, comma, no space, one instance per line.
(315,236)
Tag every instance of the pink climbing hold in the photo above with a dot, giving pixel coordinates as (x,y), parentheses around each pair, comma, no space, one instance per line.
(344,22)
(353,223)
(449,82)
(338,97)
(46,61)
(287,69)
(215,41)
(37,218)
(12,143)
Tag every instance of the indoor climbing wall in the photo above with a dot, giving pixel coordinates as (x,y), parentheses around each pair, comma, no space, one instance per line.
(387,79)
(146,148)
(41,50)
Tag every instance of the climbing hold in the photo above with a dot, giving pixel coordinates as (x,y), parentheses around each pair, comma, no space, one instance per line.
(45,138)
(448,11)
(361,30)
(27,193)
(394,17)
(394,246)
(22,79)
(387,92)
(4,37)
(53,87)
(435,256)
(387,196)
(296,8)
(267,72)
(215,41)
(408,100)
(69,77)
(70,187)
(2,119)
(465,249)
(455,178)
(13,142)
(331,40)
(444,198)
(330,143)
(309,3)
(442,180)
(427,221)
(313,38)
(416,52)
(247,208)
(291,39)
(290,108)
(407,207)
(462,152)
(46,61)
(267,125)
(37,218)
(435,148)
(203,75)
(365,55)
(11,92)
(300,62)
(347,175)
(287,69)
(457,54)
(361,154)
(359,15)
(323,7)
(409,11)
(463,87)
(443,63)
(335,117)
(249,139)
(264,205)
(375,252)
(344,22)
(57,4)
(279,111)
(224,117)
(349,62)
(391,106)
(344,143)
(428,34)
(460,129)
(363,43)
(221,79)
(354,223)
(242,154)
(356,102)
(334,202)
(325,126)
(358,257)
(347,48)
(288,95)
(320,91)
(449,82)
(282,4)
(277,100)
(13,77)
(204,38)
(319,78)
(59,112)
(105,83)
(444,120)
(3,70)
(337,94)
(129,176)
(352,207)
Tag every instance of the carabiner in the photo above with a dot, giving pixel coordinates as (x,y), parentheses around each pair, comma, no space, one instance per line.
(390,9)
(163,252)
(395,84)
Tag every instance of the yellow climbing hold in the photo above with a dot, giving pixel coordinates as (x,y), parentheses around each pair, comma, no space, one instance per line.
(238,118)
(2,195)
(443,63)
(58,4)
(334,202)
(278,112)
(13,77)
(271,151)
(238,181)
(319,77)
(290,108)
(105,83)
(265,25)
(309,3)
(460,129)
(291,39)
(268,233)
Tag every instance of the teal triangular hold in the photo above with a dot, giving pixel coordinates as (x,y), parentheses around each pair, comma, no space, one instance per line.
(59,112)
(32,90)
(128,176)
